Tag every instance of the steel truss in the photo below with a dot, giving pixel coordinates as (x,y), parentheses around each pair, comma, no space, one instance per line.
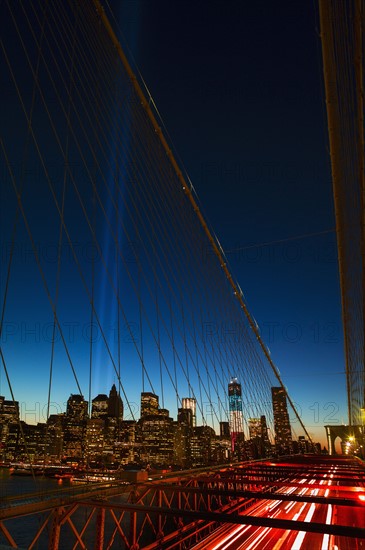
(176,512)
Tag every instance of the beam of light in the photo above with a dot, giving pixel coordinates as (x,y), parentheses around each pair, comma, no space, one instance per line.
(107,304)
(326,537)
(289,506)
(300,511)
(274,505)
(240,530)
(258,539)
(300,536)
(329,515)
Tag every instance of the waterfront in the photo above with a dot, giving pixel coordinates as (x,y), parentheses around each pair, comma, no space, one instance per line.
(13,485)
(24,528)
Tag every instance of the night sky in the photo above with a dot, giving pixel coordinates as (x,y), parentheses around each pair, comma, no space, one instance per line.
(239,87)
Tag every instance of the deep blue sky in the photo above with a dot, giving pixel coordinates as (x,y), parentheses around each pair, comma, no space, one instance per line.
(239,88)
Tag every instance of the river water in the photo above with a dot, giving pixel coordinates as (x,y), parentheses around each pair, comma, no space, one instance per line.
(11,485)
(23,529)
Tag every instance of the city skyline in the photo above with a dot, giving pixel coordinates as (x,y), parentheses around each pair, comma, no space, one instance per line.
(100,432)
(148,404)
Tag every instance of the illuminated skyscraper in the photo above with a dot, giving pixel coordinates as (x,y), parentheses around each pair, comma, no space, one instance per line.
(76,408)
(183,432)
(155,431)
(75,426)
(99,407)
(254,428)
(149,404)
(190,403)
(259,439)
(9,414)
(283,437)
(235,411)
(265,434)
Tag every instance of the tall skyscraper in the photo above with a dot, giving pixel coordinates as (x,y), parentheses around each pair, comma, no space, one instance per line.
(149,404)
(265,434)
(115,404)
(254,428)
(183,431)
(259,439)
(283,437)
(235,411)
(190,403)
(76,407)
(155,432)
(99,408)
(224,429)
(75,425)
(9,414)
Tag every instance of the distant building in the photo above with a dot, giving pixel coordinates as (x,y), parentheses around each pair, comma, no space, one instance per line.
(303,445)
(254,428)
(115,404)
(128,446)
(113,421)
(202,446)
(155,432)
(223,447)
(283,437)
(76,407)
(183,430)
(74,429)
(235,412)
(99,407)
(26,441)
(9,410)
(259,441)
(149,404)
(190,403)
(157,445)
(265,436)
(95,428)
(224,429)
(9,415)
(54,440)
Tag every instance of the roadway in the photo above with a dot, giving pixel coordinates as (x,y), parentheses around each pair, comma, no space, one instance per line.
(248,537)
